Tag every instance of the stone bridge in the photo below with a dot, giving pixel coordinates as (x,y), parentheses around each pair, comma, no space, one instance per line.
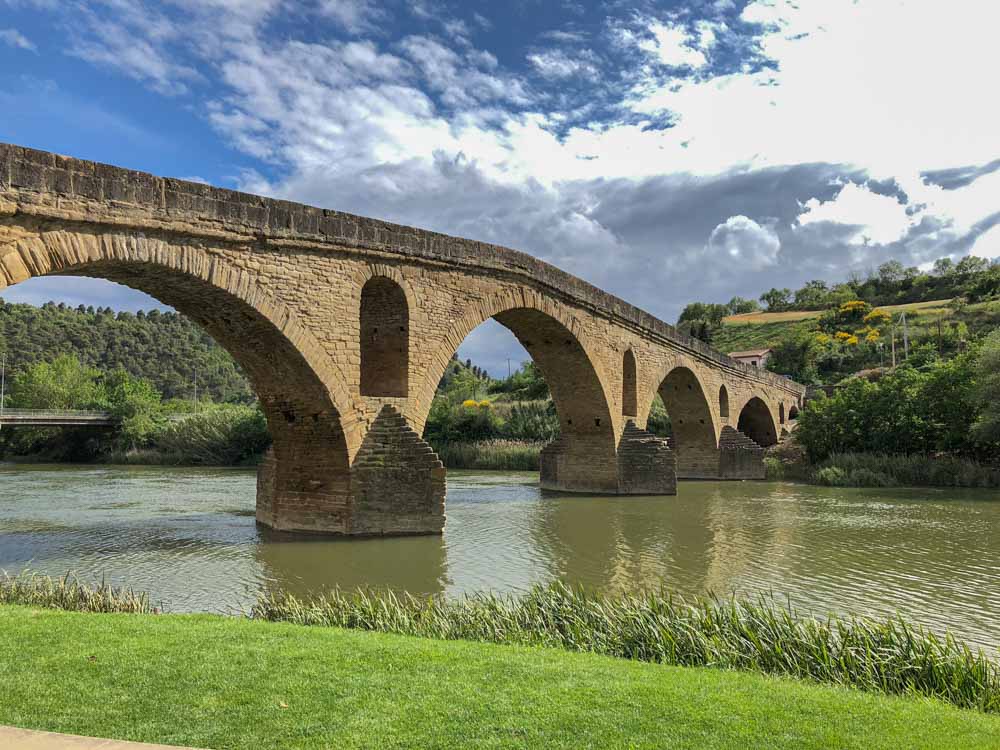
(345,325)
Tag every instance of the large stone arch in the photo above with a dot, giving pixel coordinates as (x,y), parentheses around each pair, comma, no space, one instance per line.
(757,421)
(305,480)
(584,457)
(695,439)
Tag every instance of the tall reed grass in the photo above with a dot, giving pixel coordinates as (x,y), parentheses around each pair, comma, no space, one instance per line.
(504,455)
(880,470)
(33,590)
(760,635)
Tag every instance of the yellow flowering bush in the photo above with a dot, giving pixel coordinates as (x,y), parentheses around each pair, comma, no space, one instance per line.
(485,404)
(877,317)
(843,336)
(470,403)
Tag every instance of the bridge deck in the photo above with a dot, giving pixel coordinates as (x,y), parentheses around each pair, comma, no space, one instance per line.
(54,418)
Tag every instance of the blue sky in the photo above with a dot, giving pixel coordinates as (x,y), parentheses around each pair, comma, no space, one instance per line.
(666,152)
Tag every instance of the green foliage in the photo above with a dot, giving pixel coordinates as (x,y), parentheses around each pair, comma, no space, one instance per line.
(526,384)
(908,411)
(777,300)
(68,593)
(63,383)
(224,435)
(881,470)
(493,455)
(796,357)
(986,391)
(890,656)
(135,405)
(658,422)
(164,348)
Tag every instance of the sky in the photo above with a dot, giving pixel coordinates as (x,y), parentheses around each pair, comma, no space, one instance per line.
(667,152)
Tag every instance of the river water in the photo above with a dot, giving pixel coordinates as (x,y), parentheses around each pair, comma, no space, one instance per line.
(189,538)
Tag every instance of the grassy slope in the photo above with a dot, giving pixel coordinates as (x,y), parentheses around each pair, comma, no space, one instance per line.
(222,683)
(759,330)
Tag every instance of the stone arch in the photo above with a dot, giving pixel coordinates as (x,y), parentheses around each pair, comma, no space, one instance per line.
(793,412)
(584,456)
(630,385)
(313,427)
(694,437)
(781,413)
(384,315)
(757,423)
(723,402)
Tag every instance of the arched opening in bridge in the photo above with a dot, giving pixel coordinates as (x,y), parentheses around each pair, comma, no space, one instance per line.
(385,339)
(523,381)
(723,402)
(630,405)
(307,464)
(757,423)
(691,425)
(793,412)
(781,413)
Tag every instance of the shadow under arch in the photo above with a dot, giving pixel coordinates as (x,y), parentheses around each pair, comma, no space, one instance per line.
(694,440)
(311,430)
(583,458)
(757,423)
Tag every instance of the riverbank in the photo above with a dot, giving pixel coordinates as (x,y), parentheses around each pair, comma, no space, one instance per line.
(210,681)
(788,462)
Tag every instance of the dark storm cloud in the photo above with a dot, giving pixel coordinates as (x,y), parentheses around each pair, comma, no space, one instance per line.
(959,177)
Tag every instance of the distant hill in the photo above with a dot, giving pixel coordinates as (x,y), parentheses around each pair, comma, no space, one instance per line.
(165,348)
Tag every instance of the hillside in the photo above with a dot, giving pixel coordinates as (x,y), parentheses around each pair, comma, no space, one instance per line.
(166,349)
(935,327)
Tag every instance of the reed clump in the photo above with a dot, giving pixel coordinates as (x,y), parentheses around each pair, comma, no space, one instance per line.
(33,590)
(889,656)
(499,455)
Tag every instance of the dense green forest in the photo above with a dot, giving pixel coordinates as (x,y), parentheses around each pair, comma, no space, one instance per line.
(164,348)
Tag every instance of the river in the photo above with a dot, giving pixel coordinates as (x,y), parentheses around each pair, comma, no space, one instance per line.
(188,537)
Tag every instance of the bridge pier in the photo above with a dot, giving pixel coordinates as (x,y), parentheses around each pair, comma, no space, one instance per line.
(395,487)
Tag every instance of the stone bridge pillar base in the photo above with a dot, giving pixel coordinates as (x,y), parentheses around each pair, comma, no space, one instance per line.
(395,488)
(579,463)
(739,456)
(398,481)
(298,503)
(646,464)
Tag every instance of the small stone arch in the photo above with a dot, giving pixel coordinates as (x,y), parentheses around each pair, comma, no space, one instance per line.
(757,423)
(630,385)
(584,456)
(723,402)
(384,322)
(793,412)
(694,439)
(781,413)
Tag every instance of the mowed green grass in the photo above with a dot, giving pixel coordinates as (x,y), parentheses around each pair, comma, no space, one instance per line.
(217,682)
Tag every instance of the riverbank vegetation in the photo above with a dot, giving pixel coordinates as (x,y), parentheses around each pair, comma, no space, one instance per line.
(890,656)
(211,681)
(936,424)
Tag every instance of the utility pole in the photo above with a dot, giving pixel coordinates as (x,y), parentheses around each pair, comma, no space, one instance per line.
(906,337)
(508,368)
(893,346)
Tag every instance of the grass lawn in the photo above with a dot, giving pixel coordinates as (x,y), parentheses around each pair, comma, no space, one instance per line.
(216,682)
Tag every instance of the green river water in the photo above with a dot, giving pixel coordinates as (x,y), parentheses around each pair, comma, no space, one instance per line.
(188,537)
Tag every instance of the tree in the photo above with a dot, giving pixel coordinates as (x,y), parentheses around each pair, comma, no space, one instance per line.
(742,306)
(795,357)
(135,405)
(943,267)
(814,295)
(64,383)
(972,264)
(986,428)
(777,299)
(891,272)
